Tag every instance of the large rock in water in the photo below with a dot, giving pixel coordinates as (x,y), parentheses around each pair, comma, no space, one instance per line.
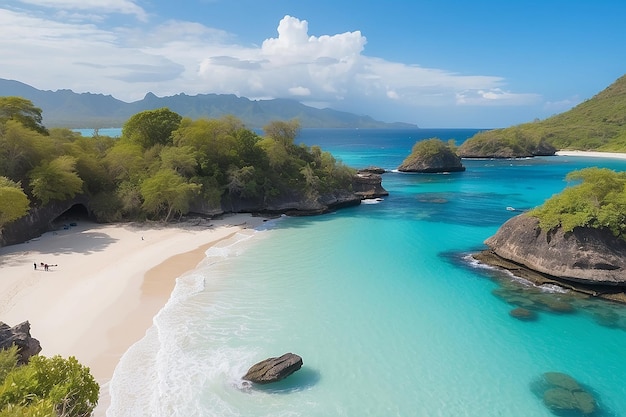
(585,255)
(443,161)
(19,336)
(274,369)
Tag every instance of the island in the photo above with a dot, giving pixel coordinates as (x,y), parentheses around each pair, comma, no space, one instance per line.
(576,239)
(432,156)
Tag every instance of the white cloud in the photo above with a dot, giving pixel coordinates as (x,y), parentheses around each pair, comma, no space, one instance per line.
(555,107)
(300,91)
(495,96)
(178,56)
(102,6)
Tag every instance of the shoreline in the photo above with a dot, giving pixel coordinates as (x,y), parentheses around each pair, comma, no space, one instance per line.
(108,283)
(607,293)
(592,154)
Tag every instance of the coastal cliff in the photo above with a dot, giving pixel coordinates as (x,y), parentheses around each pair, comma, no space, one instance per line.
(364,185)
(585,258)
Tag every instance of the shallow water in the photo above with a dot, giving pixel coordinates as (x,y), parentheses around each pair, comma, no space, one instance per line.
(381,301)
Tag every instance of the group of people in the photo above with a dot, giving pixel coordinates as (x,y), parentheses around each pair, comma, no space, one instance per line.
(45,267)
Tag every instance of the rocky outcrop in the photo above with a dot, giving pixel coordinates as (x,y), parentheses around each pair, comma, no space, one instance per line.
(297,203)
(19,336)
(445,160)
(38,221)
(274,369)
(368,184)
(563,394)
(584,256)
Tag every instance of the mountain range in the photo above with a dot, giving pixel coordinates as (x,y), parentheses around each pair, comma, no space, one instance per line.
(65,108)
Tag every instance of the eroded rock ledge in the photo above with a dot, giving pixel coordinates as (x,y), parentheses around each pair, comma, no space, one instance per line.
(588,260)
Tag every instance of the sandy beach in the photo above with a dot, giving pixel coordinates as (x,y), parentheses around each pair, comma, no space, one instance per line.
(615,155)
(104,285)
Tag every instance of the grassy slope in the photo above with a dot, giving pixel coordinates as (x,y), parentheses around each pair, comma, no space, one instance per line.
(596,124)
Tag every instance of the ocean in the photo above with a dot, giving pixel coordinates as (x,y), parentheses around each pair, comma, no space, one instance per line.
(384,304)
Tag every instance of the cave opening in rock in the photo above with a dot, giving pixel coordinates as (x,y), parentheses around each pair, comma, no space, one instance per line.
(74,214)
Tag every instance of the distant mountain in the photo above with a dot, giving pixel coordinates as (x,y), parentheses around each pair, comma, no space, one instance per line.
(64,108)
(595,124)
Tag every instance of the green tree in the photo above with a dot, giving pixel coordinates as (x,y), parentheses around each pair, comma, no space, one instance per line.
(45,387)
(125,161)
(597,199)
(180,159)
(283,132)
(13,201)
(56,180)
(151,127)
(167,193)
(21,149)
(23,111)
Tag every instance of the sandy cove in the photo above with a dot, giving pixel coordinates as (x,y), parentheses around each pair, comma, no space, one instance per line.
(615,155)
(105,285)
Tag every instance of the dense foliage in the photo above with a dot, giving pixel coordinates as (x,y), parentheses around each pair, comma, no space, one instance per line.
(598,200)
(45,387)
(596,124)
(428,148)
(513,142)
(159,168)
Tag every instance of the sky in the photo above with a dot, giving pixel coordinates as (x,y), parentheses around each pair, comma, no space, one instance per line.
(434,63)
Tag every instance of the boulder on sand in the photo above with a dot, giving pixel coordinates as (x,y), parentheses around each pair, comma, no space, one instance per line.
(19,336)
(274,369)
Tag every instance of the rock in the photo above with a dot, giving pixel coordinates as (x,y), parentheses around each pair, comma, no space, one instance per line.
(273,369)
(523,314)
(368,184)
(373,170)
(555,305)
(19,336)
(564,393)
(584,256)
(561,380)
(432,156)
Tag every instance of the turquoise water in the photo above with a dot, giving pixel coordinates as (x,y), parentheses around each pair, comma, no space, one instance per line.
(114,132)
(389,314)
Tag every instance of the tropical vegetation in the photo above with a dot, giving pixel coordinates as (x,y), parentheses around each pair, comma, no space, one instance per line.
(45,387)
(597,124)
(597,199)
(162,164)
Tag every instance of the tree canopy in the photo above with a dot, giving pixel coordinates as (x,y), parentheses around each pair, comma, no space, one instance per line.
(161,166)
(45,387)
(22,111)
(151,127)
(13,201)
(597,199)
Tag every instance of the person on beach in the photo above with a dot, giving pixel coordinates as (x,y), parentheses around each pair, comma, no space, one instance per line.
(45,267)
(35,265)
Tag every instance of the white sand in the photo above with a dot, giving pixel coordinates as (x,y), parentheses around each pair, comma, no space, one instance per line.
(615,155)
(109,282)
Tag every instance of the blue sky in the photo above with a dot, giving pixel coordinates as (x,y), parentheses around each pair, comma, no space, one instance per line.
(443,63)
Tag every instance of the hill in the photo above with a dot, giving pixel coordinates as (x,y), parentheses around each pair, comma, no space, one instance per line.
(596,124)
(65,108)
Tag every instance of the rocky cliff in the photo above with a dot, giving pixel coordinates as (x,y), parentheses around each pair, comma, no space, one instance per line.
(585,256)
(364,185)
(39,220)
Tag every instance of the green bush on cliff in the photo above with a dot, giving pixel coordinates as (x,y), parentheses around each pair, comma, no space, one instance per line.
(45,387)
(597,200)
(428,148)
